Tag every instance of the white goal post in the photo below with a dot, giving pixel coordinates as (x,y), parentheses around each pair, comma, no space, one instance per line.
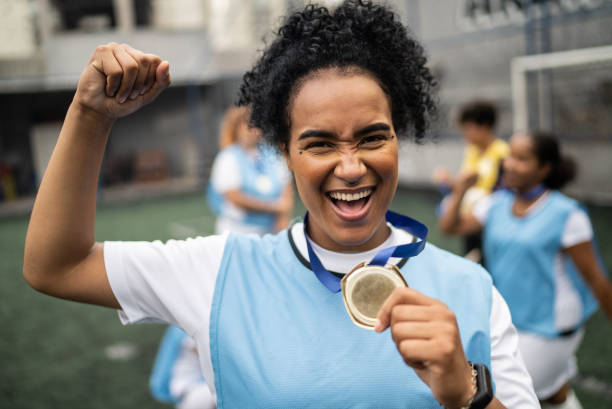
(520,66)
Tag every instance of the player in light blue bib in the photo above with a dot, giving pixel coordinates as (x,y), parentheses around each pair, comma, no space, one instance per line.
(539,248)
(250,189)
(274,317)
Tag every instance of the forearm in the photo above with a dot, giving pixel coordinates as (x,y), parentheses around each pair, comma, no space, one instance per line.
(584,258)
(602,289)
(237,198)
(61,229)
(450,217)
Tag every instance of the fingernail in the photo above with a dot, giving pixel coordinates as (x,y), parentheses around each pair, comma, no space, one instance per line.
(377,325)
(122,99)
(134,94)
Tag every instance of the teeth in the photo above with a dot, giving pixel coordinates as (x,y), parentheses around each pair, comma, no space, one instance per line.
(349,197)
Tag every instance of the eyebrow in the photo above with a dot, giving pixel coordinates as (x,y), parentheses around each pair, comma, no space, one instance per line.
(319,133)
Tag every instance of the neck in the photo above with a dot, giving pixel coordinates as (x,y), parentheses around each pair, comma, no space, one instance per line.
(530,194)
(485,144)
(247,147)
(378,237)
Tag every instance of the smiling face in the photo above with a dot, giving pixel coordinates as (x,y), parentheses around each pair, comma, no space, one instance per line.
(479,135)
(522,170)
(343,152)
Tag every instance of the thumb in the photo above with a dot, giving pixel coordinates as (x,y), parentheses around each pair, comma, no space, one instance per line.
(162,81)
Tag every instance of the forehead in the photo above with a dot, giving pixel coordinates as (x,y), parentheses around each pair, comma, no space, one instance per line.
(338,102)
(521,142)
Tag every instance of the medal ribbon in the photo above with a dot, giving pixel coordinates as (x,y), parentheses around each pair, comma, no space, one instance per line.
(414,227)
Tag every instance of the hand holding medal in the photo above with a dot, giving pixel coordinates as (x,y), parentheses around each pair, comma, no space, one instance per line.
(425,331)
(426,335)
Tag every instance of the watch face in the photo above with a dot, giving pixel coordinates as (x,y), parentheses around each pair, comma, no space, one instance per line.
(365,289)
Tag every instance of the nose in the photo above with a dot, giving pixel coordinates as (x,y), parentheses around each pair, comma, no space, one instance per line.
(350,168)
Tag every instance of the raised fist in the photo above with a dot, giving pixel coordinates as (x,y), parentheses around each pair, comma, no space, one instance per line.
(119,80)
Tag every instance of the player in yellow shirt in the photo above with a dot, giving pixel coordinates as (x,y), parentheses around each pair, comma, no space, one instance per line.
(482,161)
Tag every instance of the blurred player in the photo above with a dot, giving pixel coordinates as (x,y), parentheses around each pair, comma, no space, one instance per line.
(176,377)
(481,161)
(539,248)
(250,188)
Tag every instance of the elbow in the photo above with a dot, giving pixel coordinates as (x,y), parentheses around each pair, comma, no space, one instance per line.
(32,277)
(35,275)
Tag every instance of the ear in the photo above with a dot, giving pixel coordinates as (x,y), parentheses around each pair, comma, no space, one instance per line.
(285,151)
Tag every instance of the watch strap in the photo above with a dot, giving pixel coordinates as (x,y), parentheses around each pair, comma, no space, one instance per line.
(484,387)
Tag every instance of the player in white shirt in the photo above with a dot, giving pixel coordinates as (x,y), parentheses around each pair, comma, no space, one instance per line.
(334,93)
(250,187)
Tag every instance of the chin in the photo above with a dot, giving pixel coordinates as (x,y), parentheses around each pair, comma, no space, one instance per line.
(353,239)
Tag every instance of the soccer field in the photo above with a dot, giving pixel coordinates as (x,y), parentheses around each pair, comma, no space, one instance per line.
(58,354)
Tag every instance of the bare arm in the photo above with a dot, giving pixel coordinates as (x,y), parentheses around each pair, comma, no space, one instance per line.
(61,256)
(452,220)
(583,256)
(244,201)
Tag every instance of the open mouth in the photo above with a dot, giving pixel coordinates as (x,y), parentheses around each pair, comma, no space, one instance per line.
(351,205)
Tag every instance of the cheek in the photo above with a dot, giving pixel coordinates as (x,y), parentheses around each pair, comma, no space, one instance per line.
(386,164)
(308,174)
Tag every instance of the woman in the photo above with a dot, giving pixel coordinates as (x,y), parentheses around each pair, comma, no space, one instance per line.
(333,92)
(250,189)
(538,244)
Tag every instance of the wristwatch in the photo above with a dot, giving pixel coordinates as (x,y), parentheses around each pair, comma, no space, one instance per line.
(484,387)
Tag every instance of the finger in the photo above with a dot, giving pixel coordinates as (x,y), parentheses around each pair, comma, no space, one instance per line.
(437,312)
(130,73)
(162,81)
(144,64)
(155,61)
(416,353)
(105,62)
(412,330)
(426,350)
(409,312)
(423,330)
(400,296)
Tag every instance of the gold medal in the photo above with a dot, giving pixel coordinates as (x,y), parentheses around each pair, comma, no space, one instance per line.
(365,289)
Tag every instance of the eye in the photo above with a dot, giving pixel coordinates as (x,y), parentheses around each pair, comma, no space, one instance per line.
(373,140)
(319,145)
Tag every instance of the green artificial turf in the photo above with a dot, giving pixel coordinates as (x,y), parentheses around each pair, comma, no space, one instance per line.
(52,352)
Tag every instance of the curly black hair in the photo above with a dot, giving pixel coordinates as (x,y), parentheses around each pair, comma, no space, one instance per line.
(356,35)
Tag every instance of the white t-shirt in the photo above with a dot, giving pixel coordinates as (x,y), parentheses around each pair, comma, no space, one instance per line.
(225,176)
(174,282)
(577,229)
